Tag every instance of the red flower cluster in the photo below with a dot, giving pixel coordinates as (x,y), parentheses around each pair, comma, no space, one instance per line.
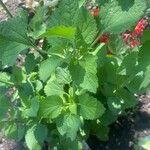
(95,11)
(132,38)
(104,38)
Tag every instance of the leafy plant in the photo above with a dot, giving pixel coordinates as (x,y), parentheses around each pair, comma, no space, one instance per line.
(78,71)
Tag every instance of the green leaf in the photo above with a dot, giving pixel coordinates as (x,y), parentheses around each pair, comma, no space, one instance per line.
(145,36)
(115,105)
(33,109)
(51,107)
(53,88)
(117,16)
(87,26)
(77,73)
(144,53)
(129,99)
(108,118)
(37,23)
(129,64)
(90,83)
(41,133)
(65,14)
(68,125)
(16,39)
(30,63)
(48,66)
(146,81)
(18,75)
(4,79)
(4,102)
(58,45)
(14,131)
(31,140)
(25,91)
(90,107)
(63,75)
(100,131)
(60,31)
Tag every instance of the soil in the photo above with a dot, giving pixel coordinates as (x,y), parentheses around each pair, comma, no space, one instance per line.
(123,134)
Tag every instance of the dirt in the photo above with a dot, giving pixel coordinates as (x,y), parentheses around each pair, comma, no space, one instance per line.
(125,133)
(12,5)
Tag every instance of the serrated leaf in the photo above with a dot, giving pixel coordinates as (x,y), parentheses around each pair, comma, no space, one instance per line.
(117,16)
(53,88)
(31,140)
(57,45)
(51,107)
(60,31)
(65,14)
(63,75)
(48,66)
(90,107)
(90,82)
(68,125)
(87,26)
(16,39)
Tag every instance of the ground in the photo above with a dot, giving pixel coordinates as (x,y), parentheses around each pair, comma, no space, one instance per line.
(124,134)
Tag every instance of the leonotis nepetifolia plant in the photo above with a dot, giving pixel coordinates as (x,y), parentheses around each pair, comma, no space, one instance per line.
(68,72)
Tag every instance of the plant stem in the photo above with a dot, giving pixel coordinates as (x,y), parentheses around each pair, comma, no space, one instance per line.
(5,82)
(6,9)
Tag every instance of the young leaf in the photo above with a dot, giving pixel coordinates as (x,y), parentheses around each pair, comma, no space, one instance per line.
(53,88)
(68,125)
(90,82)
(90,107)
(48,66)
(60,31)
(51,107)
(117,16)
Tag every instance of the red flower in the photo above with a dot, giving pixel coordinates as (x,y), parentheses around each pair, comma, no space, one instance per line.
(140,27)
(130,39)
(104,38)
(95,11)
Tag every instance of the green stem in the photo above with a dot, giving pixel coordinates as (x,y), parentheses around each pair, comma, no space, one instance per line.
(5,82)
(6,9)
(97,49)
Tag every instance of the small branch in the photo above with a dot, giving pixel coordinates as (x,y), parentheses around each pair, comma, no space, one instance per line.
(6,9)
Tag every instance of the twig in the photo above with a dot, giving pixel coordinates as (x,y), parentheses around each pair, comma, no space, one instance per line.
(6,9)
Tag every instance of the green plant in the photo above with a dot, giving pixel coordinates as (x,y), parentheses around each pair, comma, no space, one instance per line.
(79,74)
